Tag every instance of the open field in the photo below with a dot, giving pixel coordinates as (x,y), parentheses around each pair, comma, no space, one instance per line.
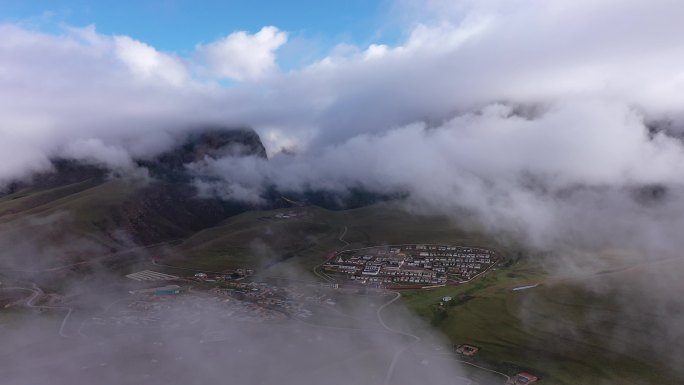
(557,330)
(302,243)
(542,329)
(80,210)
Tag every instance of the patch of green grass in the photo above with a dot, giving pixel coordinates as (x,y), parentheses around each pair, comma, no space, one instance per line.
(539,329)
(256,239)
(546,330)
(84,209)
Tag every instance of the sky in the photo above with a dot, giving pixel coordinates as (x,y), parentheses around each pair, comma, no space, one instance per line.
(466,89)
(526,109)
(179,25)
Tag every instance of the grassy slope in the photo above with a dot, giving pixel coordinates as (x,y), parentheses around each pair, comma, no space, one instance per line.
(492,319)
(544,330)
(87,207)
(301,243)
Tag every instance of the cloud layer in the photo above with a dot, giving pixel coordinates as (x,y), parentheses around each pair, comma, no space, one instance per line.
(556,122)
(493,107)
(241,56)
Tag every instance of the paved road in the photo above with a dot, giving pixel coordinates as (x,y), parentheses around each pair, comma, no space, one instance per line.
(316,268)
(450,356)
(340,238)
(37,292)
(414,339)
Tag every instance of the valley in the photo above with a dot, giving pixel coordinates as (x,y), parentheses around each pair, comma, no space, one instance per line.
(101,258)
(287,252)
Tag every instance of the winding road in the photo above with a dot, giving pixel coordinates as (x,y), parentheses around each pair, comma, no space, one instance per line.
(37,292)
(415,339)
(316,268)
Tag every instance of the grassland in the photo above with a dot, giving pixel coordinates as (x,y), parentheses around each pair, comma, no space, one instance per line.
(559,330)
(77,210)
(257,239)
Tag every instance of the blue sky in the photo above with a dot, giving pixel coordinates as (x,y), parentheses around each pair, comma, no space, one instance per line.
(314,26)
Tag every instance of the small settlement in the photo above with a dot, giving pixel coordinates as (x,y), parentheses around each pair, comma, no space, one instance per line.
(410,266)
(230,295)
(467,350)
(522,378)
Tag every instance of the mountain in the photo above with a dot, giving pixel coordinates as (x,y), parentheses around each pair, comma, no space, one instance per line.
(169,208)
(214,143)
(118,210)
(164,208)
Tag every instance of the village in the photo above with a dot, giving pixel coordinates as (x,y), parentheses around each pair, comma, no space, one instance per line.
(229,296)
(410,266)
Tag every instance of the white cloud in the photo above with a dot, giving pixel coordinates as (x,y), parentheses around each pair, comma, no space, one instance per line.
(241,56)
(590,82)
(489,162)
(147,62)
(95,151)
(531,117)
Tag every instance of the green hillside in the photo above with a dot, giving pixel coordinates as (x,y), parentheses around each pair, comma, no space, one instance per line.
(561,330)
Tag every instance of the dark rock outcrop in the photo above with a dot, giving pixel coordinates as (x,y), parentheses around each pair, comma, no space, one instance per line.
(170,166)
(169,208)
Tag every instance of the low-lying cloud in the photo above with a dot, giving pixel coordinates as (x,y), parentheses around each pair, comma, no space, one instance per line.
(81,85)
(558,122)
(533,175)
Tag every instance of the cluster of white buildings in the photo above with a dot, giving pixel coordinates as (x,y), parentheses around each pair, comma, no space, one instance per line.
(411,265)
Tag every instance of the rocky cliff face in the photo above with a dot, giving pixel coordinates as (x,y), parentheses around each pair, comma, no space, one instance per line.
(165,208)
(214,143)
(169,208)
